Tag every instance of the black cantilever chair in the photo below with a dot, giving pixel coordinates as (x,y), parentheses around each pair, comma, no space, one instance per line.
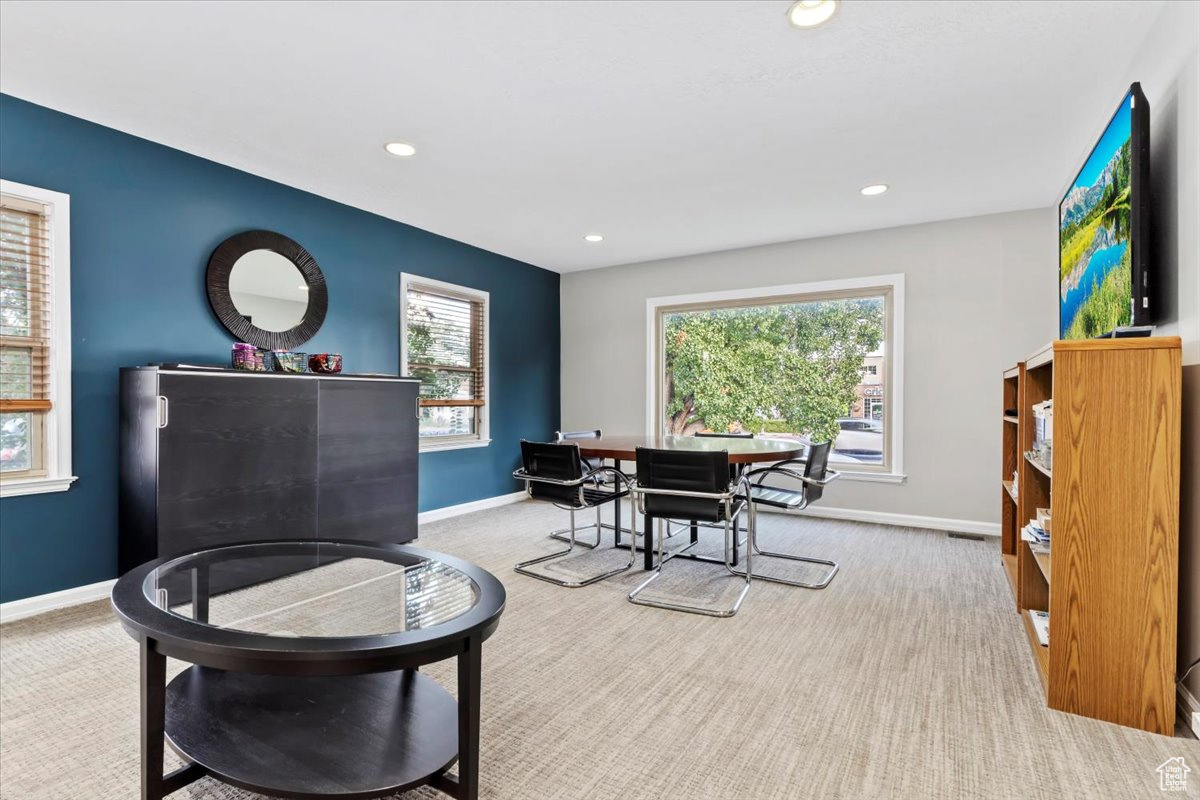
(734,471)
(690,485)
(555,473)
(566,436)
(599,479)
(813,480)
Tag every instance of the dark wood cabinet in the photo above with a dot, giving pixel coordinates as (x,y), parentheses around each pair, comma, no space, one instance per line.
(211,458)
(361,428)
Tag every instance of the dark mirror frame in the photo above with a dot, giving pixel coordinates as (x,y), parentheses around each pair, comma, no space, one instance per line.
(216,281)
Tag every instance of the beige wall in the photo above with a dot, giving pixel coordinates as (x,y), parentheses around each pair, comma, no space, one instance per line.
(980,294)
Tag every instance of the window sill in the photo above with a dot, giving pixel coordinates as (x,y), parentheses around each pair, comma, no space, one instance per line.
(436,447)
(870,477)
(17,488)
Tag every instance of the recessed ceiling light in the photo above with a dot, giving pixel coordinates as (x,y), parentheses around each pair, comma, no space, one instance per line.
(402,149)
(874,189)
(811,13)
(593,237)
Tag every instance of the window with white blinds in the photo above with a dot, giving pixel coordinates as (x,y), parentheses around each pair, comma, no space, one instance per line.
(34,340)
(444,334)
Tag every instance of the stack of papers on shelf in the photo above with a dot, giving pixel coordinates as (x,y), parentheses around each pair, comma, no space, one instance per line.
(1041,626)
(1043,423)
(1039,540)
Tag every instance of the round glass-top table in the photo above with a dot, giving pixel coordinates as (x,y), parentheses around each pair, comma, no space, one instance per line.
(315,589)
(306,653)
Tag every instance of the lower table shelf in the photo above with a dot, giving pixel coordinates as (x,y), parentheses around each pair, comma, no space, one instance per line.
(345,736)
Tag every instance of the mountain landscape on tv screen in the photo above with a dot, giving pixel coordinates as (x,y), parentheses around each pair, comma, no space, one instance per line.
(1095,273)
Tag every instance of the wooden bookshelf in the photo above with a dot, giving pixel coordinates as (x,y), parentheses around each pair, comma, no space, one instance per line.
(1111,586)
(1009,529)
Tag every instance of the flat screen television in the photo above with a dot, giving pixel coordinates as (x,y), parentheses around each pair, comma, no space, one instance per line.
(1104,278)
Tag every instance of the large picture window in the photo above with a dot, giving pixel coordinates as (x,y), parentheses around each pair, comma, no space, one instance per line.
(444,343)
(35,343)
(813,362)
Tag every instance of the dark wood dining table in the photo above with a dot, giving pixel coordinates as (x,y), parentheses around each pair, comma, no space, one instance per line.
(741,451)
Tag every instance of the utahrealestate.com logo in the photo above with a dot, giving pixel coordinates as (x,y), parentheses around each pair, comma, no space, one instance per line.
(1172,775)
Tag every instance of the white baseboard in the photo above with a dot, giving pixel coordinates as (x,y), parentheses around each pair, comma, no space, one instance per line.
(1189,709)
(30,606)
(467,508)
(905,520)
(40,604)
(856,515)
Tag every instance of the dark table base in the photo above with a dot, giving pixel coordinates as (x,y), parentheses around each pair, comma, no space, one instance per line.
(355,736)
(649,561)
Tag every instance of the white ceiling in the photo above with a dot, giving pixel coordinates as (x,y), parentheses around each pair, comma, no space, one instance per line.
(669,127)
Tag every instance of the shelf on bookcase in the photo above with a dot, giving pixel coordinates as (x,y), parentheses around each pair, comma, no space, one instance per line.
(1043,562)
(1037,465)
(1010,570)
(1011,419)
(1041,655)
(1008,488)
(1042,358)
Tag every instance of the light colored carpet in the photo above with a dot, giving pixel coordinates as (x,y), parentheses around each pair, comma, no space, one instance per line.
(909,677)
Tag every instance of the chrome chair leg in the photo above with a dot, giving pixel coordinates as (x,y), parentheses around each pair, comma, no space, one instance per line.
(523,567)
(683,526)
(568,534)
(564,534)
(825,580)
(730,534)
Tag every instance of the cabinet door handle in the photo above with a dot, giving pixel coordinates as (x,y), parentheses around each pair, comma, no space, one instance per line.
(162,411)
(418,404)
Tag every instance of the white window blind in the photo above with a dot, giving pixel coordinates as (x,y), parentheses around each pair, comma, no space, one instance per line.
(445,335)
(25,336)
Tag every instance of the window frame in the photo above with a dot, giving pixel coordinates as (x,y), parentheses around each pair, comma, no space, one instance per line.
(891,285)
(482,435)
(56,427)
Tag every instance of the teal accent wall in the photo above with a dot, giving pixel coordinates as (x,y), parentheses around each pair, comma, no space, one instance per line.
(144,220)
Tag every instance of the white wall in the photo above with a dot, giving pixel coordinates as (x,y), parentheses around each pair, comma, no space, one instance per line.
(1168,65)
(980,294)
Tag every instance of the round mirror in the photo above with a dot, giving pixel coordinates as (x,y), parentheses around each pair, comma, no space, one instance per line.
(266,290)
